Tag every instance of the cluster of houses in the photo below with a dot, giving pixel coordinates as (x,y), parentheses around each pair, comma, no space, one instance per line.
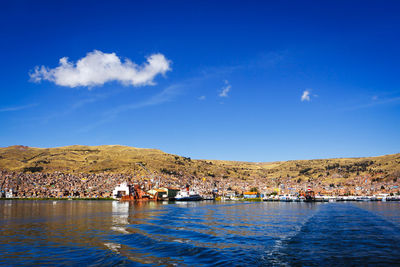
(109,185)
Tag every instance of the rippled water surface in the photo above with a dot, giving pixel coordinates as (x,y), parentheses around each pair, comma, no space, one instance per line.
(198,234)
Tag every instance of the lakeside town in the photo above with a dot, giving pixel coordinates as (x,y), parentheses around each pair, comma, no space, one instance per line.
(26,185)
(114,172)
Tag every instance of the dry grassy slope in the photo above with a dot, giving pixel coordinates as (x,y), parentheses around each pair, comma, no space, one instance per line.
(122,159)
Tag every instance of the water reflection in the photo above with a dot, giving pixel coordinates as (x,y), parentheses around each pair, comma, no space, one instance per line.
(120,214)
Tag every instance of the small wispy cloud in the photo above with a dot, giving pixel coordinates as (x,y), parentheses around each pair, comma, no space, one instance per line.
(259,61)
(306,96)
(376,102)
(66,110)
(86,101)
(98,68)
(166,95)
(203,97)
(17,108)
(225,89)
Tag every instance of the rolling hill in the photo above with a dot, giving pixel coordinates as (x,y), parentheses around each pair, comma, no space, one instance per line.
(130,160)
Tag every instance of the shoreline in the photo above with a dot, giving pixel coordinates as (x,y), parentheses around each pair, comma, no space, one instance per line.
(61,199)
(215,200)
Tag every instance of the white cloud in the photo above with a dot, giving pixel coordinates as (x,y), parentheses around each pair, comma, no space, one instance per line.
(306,96)
(97,68)
(203,97)
(225,89)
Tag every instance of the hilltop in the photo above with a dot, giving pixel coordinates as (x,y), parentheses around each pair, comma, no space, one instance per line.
(129,160)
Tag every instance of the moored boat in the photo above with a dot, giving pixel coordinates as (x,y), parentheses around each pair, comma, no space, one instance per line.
(363,198)
(188,195)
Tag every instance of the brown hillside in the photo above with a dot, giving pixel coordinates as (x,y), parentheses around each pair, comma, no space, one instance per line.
(123,159)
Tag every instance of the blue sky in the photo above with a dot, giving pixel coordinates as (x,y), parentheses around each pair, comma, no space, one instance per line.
(233,80)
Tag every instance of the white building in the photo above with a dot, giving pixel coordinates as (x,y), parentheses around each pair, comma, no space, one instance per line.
(9,194)
(120,190)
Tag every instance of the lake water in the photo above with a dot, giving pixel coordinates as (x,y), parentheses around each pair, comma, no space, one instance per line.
(103,233)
